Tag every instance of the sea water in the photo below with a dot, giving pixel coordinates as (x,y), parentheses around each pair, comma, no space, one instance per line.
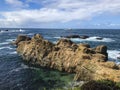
(15,75)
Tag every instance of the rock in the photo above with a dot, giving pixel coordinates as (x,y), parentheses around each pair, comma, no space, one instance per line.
(100,85)
(99,38)
(101,49)
(21,38)
(76,36)
(87,63)
(6,30)
(71,36)
(84,37)
(118,57)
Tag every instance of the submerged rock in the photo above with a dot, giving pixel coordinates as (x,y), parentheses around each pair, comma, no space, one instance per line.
(88,63)
(99,38)
(71,36)
(76,36)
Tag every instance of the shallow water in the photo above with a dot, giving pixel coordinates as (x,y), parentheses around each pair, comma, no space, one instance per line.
(15,75)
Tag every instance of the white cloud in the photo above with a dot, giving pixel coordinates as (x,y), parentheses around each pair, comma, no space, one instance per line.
(60,11)
(16,3)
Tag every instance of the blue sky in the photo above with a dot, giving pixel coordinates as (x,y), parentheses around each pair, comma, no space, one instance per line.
(60,13)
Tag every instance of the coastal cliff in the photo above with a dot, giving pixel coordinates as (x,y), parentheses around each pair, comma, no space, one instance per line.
(87,63)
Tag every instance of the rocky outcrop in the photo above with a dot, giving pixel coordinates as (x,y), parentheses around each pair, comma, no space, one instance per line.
(88,63)
(21,38)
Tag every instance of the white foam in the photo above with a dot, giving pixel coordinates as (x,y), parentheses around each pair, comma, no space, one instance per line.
(113,54)
(21,30)
(30,34)
(4,43)
(13,52)
(57,37)
(10,40)
(4,31)
(23,66)
(93,39)
(7,47)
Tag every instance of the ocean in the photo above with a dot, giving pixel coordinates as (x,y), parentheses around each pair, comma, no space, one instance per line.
(16,75)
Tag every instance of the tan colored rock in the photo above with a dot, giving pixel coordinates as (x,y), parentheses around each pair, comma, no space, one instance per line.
(88,63)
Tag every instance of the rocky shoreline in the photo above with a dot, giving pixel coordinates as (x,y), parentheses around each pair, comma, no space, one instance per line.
(87,63)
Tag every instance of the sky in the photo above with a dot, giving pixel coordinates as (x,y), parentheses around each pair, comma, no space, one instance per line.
(60,14)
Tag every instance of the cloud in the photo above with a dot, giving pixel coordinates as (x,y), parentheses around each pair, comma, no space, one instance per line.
(62,11)
(16,3)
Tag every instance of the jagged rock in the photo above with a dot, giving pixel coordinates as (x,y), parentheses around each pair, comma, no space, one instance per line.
(21,38)
(88,63)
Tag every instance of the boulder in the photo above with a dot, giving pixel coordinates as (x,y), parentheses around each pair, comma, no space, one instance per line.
(87,63)
(21,38)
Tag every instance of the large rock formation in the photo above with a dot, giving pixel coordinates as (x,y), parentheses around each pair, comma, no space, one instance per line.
(88,63)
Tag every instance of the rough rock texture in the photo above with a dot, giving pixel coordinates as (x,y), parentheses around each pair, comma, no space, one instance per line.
(21,38)
(88,63)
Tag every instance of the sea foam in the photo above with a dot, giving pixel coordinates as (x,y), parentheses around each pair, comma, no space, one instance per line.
(94,38)
(113,54)
(7,47)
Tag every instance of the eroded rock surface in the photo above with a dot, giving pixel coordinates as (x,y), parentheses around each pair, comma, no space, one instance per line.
(88,63)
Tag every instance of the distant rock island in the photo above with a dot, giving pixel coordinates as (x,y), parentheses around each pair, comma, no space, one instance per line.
(87,63)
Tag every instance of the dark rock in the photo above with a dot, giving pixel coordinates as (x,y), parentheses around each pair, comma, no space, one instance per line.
(76,36)
(21,38)
(99,38)
(100,85)
(71,36)
(101,49)
(118,57)
(6,30)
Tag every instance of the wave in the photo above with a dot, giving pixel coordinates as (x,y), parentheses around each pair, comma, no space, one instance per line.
(13,52)
(113,55)
(94,38)
(4,43)
(7,47)
(23,66)
(9,31)
(30,34)
(10,40)
(57,37)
